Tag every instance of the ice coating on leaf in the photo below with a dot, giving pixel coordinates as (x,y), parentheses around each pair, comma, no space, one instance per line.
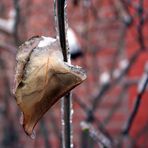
(45,79)
(22,58)
(46,41)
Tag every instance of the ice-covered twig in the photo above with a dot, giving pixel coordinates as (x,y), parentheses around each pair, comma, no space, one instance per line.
(61,27)
(141,89)
(127,20)
(66,107)
(110,85)
(121,96)
(140,11)
(97,136)
(91,118)
(123,11)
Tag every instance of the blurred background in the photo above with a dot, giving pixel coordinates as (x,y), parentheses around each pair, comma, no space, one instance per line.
(109,39)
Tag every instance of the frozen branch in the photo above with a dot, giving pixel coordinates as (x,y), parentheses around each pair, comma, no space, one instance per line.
(66,107)
(98,136)
(141,89)
(123,12)
(118,103)
(111,85)
(140,11)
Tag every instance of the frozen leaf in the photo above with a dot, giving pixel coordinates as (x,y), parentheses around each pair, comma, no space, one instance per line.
(42,78)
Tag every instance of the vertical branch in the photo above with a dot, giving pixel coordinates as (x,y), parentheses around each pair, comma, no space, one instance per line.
(66,101)
(61,27)
(66,121)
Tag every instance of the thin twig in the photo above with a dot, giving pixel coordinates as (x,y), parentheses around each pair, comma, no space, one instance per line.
(110,85)
(140,11)
(123,11)
(119,100)
(98,136)
(115,106)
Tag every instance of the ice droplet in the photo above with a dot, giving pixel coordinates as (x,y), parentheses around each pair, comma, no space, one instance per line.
(33,135)
(21,118)
(104,78)
(84,125)
(116,73)
(123,64)
(71,112)
(142,82)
